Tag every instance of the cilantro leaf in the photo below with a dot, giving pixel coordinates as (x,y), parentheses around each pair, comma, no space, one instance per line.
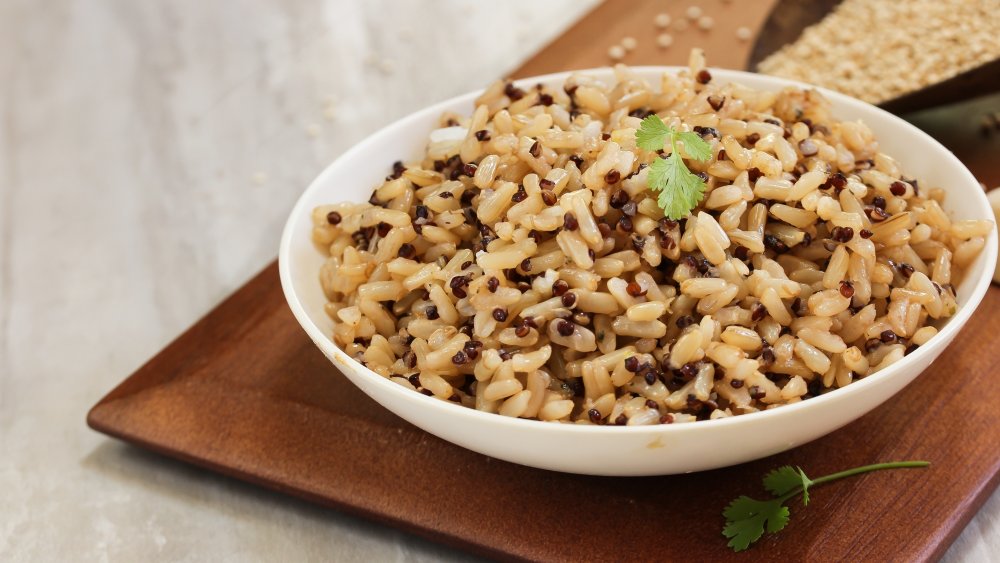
(784,480)
(680,190)
(652,134)
(695,147)
(746,519)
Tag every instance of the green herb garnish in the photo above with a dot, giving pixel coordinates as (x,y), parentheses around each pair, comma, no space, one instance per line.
(747,518)
(680,190)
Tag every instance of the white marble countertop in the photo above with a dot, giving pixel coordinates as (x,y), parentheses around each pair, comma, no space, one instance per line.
(149,153)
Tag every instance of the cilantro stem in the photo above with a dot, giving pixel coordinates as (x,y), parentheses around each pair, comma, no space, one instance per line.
(854,471)
(868,468)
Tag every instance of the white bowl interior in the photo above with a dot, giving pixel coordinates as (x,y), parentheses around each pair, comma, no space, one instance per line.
(643,449)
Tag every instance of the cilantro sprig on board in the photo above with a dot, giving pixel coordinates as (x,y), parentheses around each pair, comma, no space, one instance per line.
(748,518)
(679,189)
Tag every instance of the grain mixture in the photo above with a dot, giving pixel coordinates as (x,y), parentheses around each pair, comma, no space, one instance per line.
(876,50)
(523,267)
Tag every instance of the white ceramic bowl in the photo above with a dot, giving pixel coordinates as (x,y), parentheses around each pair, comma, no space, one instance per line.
(640,450)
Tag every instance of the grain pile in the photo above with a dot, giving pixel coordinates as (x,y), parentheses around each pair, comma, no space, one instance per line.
(523,266)
(876,50)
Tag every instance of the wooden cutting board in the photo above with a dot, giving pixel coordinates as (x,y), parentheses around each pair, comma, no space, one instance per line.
(245,393)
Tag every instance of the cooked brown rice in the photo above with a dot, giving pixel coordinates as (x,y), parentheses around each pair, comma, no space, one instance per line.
(524,268)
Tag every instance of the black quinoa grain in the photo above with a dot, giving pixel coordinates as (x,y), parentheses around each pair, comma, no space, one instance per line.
(525,265)
(577,160)
(521,330)
(549,197)
(667,242)
(630,208)
(545,99)
(876,215)
(774,243)
(879,201)
(638,243)
(758,311)
(535,150)
(703,76)
(432,313)
(493,284)
(625,224)
(865,233)
(650,377)
(605,136)
(564,327)
(414,379)
(736,383)
(716,102)
(469,169)
(406,250)
(446,195)
(520,195)
(621,420)
(906,269)
(397,169)
(756,392)
(667,419)
(872,343)
(684,321)
(569,222)
(767,357)
(634,289)
(333,218)
(500,314)
(559,287)
(632,364)
(752,139)
(546,184)
(897,188)
(482,135)
(847,289)
(754,174)
(651,404)
(612,176)
(594,415)
(618,199)
(505,355)
(605,229)
(513,92)
(842,234)
(421,212)
(568,299)
(459,358)
(409,359)
(910,348)
(591,254)
(458,281)
(741,253)
(689,371)
(887,336)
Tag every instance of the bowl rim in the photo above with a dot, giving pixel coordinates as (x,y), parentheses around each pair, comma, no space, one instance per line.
(951,328)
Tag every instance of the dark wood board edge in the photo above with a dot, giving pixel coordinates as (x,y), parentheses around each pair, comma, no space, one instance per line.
(101,419)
